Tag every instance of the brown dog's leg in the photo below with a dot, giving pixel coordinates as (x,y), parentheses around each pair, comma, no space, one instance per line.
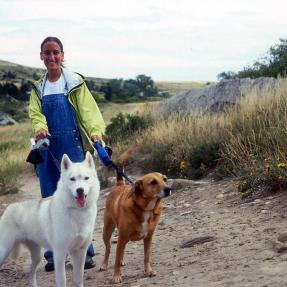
(108,230)
(147,255)
(122,241)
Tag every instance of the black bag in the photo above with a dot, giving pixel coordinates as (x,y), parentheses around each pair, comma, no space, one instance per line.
(34,156)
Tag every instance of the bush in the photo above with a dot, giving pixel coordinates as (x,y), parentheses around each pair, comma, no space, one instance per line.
(98,96)
(123,126)
(194,163)
(4,146)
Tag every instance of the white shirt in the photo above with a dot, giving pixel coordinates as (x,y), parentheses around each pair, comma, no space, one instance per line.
(57,87)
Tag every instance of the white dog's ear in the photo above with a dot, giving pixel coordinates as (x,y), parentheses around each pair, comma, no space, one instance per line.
(65,163)
(89,159)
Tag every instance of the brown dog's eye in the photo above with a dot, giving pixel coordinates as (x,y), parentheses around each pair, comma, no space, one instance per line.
(72,179)
(165,179)
(153,182)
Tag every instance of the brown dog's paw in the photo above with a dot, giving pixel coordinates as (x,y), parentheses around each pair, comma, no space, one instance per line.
(150,273)
(123,263)
(117,279)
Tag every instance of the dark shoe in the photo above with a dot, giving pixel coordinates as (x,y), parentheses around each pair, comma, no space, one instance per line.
(50,265)
(89,263)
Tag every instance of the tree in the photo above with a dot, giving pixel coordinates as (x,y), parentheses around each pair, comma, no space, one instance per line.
(25,90)
(11,90)
(112,89)
(273,64)
(146,86)
(226,75)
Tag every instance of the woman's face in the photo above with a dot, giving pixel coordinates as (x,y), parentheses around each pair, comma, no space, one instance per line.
(52,56)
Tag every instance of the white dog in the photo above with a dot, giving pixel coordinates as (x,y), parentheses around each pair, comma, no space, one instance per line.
(62,223)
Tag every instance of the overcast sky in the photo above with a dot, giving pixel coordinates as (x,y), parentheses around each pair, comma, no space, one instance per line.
(166,39)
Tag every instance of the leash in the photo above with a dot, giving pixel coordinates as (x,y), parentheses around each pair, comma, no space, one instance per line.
(35,157)
(56,162)
(106,160)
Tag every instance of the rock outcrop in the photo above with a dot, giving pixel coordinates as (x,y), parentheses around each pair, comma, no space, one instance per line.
(216,96)
(5,119)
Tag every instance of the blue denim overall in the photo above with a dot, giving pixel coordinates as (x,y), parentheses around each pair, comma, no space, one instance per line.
(65,138)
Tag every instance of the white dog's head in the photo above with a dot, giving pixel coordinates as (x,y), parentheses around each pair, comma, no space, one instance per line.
(79,182)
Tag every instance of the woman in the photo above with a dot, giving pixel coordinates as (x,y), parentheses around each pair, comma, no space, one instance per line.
(62,109)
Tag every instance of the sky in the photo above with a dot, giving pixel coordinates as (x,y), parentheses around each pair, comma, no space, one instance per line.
(168,40)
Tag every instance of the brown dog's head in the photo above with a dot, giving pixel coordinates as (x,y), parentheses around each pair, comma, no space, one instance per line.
(149,188)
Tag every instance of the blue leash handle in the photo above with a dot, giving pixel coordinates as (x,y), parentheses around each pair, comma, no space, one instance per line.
(103,155)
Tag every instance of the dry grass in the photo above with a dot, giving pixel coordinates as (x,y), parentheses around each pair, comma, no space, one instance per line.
(246,135)
(15,144)
(250,138)
(178,87)
(110,110)
(14,148)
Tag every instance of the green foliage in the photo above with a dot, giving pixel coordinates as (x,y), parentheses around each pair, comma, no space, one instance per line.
(8,75)
(273,64)
(98,96)
(123,126)
(195,163)
(119,90)
(10,89)
(226,75)
(7,145)
(263,174)
(15,109)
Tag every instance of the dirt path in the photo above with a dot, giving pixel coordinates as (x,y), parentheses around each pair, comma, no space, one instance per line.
(241,255)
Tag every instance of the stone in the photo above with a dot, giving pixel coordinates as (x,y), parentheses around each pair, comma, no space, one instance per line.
(198,240)
(5,119)
(282,237)
(214,97)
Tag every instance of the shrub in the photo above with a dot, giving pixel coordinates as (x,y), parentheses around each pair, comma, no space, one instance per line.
(98,96)
(123,126)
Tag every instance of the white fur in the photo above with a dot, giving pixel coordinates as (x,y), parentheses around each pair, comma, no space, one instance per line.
(144,229)
(56,223)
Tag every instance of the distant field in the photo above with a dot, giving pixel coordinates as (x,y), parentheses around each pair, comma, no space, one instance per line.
(178,87)
(110,110)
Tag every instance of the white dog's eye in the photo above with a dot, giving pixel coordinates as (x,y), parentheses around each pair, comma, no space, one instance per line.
(86,178)
(72,178)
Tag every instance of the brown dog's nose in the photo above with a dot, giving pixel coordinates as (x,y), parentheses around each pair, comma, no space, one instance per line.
(80,192)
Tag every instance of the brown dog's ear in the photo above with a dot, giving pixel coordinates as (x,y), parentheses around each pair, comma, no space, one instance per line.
(137,188)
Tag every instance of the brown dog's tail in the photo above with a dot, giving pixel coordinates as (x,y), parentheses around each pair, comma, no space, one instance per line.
(121,162)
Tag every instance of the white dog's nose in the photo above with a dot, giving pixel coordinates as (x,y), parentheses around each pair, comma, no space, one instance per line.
(80,192)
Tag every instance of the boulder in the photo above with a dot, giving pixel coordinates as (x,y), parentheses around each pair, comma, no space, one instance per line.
(5,119)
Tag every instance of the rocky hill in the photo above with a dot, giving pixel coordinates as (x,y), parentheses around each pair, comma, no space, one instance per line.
(215,96)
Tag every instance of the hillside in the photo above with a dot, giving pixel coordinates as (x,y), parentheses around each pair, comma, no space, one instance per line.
(20,72)
(30,73)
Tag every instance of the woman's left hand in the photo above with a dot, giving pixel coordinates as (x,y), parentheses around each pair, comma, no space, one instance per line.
(96,138)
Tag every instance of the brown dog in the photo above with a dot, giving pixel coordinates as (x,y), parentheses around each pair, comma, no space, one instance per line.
(135,210)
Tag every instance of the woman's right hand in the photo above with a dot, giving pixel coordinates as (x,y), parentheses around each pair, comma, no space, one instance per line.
(41,134)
